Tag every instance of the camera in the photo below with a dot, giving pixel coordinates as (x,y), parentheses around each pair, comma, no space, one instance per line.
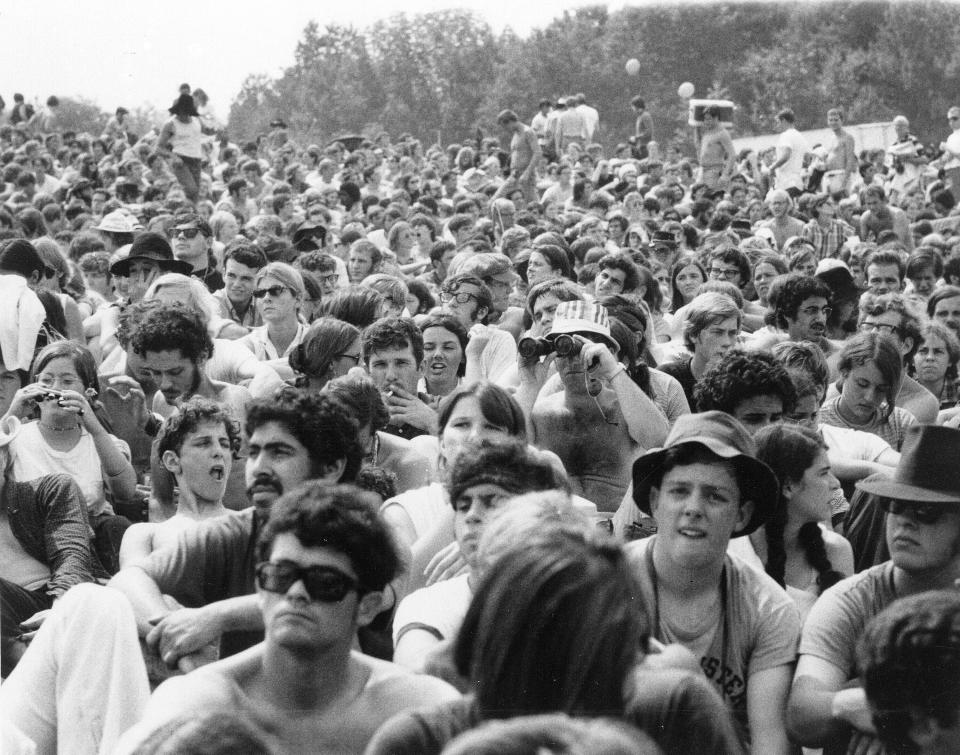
(50,396)
(565,345)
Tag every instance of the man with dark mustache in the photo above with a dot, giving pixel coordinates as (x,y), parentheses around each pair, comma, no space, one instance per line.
(209,572)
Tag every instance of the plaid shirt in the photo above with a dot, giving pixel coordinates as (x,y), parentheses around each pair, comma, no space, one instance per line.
(827,243)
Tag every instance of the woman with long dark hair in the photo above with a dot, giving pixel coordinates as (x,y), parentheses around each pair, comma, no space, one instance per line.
(799,553)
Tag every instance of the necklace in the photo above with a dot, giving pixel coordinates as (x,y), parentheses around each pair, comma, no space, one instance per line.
(55,429)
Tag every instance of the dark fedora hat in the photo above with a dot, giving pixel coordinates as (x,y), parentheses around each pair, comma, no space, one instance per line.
(724,436)
(151,247)
(928,471)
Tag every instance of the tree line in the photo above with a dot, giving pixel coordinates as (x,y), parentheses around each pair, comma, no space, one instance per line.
(440,76)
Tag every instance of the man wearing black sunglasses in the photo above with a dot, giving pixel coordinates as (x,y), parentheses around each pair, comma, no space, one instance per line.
(324,559)
(827,706)
(290,439)
(190,237)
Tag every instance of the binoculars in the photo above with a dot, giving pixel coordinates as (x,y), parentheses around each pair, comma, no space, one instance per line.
(565,345)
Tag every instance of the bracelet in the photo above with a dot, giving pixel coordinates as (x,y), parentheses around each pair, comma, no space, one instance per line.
(620,369)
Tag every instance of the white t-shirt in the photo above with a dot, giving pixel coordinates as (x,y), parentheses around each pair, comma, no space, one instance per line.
(33,458)
(438,609)
(790,174)
(425,506)
(847,443)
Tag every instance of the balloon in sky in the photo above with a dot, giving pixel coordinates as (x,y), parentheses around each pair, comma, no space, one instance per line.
(633,66)
(685,90)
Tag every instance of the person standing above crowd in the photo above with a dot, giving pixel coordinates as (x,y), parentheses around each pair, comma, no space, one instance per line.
(792,148)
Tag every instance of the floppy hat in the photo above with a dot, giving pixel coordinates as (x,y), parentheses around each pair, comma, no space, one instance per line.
(583,317)
(928,468)
(720,433)
(151,247)
(838,278)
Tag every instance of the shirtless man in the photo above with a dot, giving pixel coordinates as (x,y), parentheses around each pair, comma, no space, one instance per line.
(716,151)
(594,417)
(304,689)
(841,152)
(783,224)
(524,154)
(195,446)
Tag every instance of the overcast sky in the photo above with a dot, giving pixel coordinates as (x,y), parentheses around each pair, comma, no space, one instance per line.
(140,52)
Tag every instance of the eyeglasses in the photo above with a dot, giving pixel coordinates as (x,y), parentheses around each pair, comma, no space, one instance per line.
(322,583)
(728,273)
(188,233)
(814,311)
(273,291)
(878,327)
(354,357)
(924,513)
(331,278)
(461,297)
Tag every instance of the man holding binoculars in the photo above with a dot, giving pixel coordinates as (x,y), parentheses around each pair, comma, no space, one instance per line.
(591,414)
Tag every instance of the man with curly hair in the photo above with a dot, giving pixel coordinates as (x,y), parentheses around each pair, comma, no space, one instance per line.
(174,344)
(751,387)
(290,439)
(910,659)
(802,309)
(197,446)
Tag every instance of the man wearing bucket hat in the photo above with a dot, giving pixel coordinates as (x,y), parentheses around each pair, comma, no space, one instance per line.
(593,415)
(702,488)
(922,501)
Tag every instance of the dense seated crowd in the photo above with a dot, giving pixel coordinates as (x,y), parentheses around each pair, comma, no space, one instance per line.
(519,445)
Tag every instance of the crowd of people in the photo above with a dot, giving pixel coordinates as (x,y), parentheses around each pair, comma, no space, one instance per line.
(520,444)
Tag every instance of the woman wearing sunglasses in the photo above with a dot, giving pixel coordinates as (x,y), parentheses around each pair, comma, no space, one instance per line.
(278,293)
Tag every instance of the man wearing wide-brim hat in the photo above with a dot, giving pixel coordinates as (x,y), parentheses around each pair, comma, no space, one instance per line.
(704,486)
(150,255)
(922,501)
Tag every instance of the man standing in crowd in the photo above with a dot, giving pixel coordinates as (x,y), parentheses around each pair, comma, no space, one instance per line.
(524,154)
(716,150)
(841,153)
(791,149)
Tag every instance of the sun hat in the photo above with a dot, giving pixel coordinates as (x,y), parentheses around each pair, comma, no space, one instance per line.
(927,470)
(723,435)
(151,247)
(582,317)
(116,222)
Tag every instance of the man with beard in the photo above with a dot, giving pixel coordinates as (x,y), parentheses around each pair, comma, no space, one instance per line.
(209,572)
(173,347)
(802,310)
